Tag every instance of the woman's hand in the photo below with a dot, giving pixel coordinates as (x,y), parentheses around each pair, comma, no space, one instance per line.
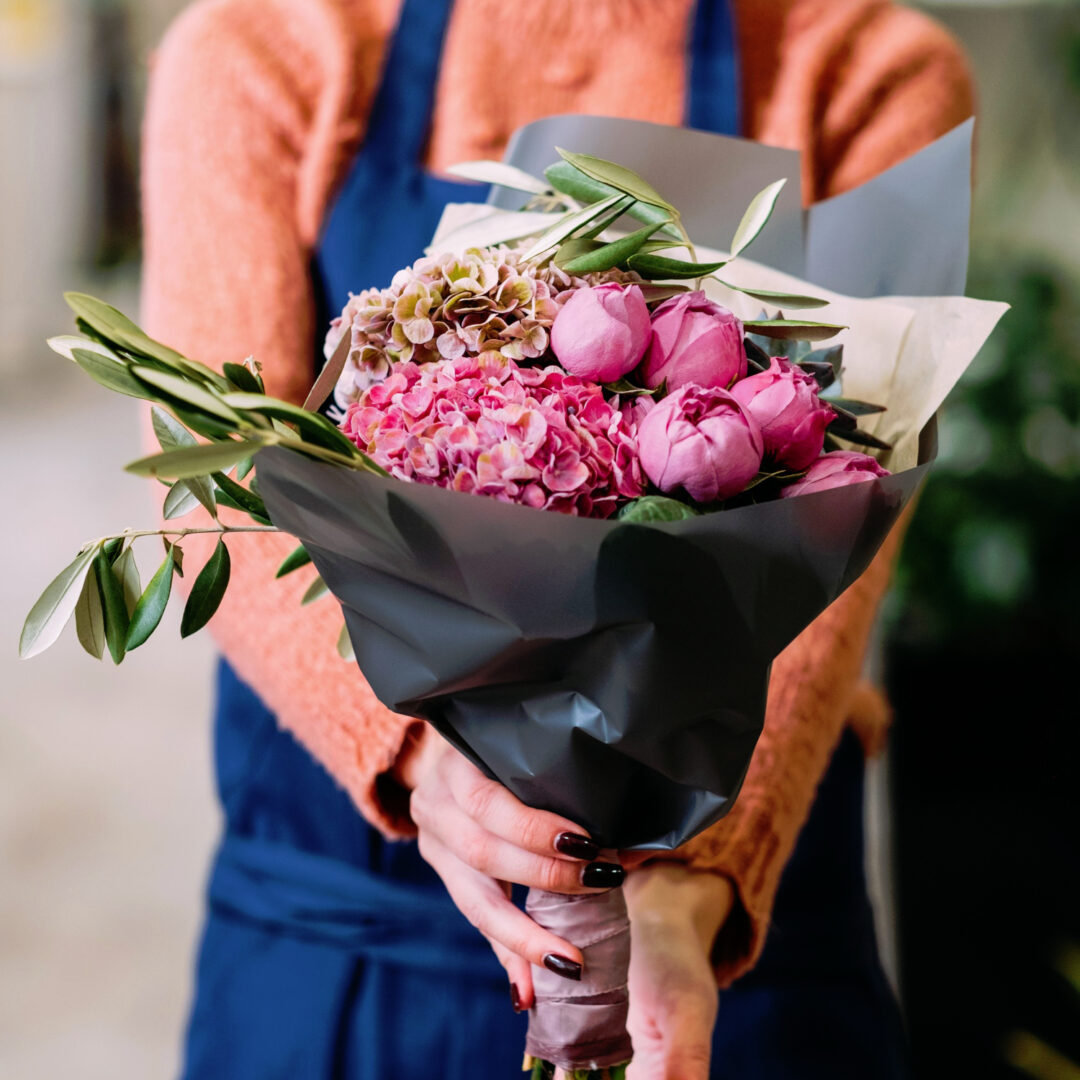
(479,838)
(675,915)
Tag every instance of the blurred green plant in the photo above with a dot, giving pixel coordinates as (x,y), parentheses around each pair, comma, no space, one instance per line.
(990,562)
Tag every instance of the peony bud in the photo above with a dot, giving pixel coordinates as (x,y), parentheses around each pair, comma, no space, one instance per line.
(694,340)
(836,469)
(602,331)
(784,401)
(702,440)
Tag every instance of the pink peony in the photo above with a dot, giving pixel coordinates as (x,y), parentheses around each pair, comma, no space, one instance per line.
(483,424)
(694,340)
(784,401)
(836,469)
(702,440)
(601,332)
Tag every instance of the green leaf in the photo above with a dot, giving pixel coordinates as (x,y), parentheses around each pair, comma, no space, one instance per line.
(792,328)
(618,176)
(184,494)
(498,172)
(656,508)
(112,374)
(207,591)
(314,427)
(185,390)
(573,182)
(573,248)
(567,224)
(152,603)
(316,589)
(177,553)
(116,616)
(55,606)
(127,571)
(90,618)
(244,467)
(170,433)
(626,388)
(180,500)
(859,438)
(856,408)
(757,214)
(242,378)
(662,268)
(344,645)
(609,255)
(293,561)
(656,294)
(113,548)
(241,497)
(613,215)
(201,460)
(778,299)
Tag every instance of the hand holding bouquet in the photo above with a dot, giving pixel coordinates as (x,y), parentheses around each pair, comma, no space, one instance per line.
(607,662)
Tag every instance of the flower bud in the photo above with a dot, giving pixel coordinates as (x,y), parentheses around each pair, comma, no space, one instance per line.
(836,469)
(602,331)
(694,340)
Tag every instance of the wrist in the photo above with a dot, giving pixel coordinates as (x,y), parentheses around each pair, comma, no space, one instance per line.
(669,892)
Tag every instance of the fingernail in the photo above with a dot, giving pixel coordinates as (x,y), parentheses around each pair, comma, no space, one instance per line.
(576,845)
(602,875)
(563,965)
(515,997)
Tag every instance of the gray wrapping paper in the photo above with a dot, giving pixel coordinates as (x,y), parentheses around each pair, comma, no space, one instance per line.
(613,673)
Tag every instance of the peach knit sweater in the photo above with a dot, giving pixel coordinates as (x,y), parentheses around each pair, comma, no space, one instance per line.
(255,110)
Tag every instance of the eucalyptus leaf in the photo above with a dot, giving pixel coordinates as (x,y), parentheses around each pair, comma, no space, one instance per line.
(112,374)
(207,591)
(757,214)
(788,329)
(660,267)
(116,615)
(568,224)
(186,390)
(152,603)
(55,606)
(344,645)
(193,461)
(618,176)
(90,618)
(316,589)
(610,255)
(573,182)
(498,172)
(127,571)
(293,561)
(777,299)
(656,508)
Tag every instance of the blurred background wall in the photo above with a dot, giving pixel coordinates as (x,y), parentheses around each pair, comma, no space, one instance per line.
(106,809)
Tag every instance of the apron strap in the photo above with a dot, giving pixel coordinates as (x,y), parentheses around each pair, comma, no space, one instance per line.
(713,99)
(400,116)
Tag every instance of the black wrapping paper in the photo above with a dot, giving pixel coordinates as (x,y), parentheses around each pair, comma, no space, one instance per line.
(613,673)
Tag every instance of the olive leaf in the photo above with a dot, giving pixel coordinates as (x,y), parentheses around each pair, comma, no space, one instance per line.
(112,374)
(55,606)
(152,603)
(127,571)
(757,214)
(184,494)
(567,224)
(240,498)
(663,268)
(185,391)
(201,460)
(116,615)
(498,172)
(313,426)
(207,591)
(618,176)
(242,378)
(344,645)
(90,618)
(293,561)
(316,589)
(609,255)
(778,299)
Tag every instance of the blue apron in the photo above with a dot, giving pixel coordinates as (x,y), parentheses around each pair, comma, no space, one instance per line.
(329,952)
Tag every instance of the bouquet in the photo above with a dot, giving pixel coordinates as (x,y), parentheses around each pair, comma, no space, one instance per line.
(717,478)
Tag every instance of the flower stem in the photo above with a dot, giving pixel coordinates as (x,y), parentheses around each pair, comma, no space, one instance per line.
(132,534)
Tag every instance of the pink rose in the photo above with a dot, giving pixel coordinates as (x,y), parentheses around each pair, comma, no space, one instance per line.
(601,332)
(702,440)
(784,401)
(694,341)
(836,469)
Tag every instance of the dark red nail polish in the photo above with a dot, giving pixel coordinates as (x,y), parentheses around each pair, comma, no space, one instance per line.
(515,997)
(576,845)
(602,875)
(563,965)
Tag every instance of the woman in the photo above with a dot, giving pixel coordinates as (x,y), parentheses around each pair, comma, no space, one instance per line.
(291,154)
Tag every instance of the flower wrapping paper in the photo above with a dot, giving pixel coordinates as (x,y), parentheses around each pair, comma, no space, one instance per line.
(611,672)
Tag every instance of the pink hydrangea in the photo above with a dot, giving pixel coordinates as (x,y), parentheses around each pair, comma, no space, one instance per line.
(483,424)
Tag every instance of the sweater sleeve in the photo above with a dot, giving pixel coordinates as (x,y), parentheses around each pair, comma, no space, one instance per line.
(245,97)
(866,84)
